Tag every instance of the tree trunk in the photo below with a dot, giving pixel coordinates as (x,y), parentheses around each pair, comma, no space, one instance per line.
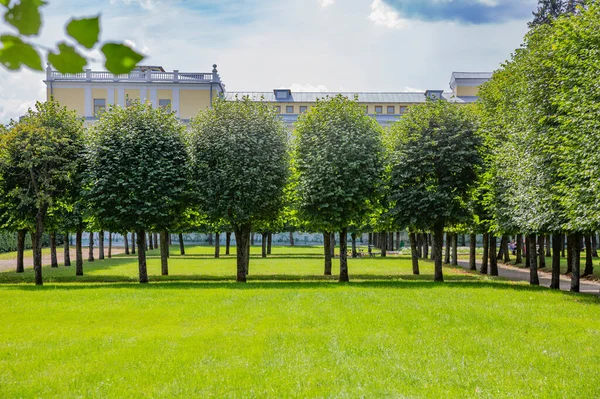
(354,252)
(91,248)
(370,243)
(101,244)
(155,236)
(210,239)
(79,252)
(492,254)
(332,245)
(472,252)
(327,250)
(463,242)
(425,245)
(413,251)
(455,249)
(269,242)
(519,250)
(227,242)
(594,246)
(485,257)
(53,257)
(562,245)
(541,252)
(20,250)
(37,244)
(247,255)
(532,255)
(547,240)
(575,261)
(589,262)
(264,245)
(126,243)
(181,244)
(419,239)
(501,248)
(242,238)
(527,257)
(569,254)
(109,244)
(133,243)
(150,243)
(438,241)
(398,240)
(556,246)
(448,245)
(141,243)
(383,244)
(251,239)
(164,250)
(217,245)
(391,240)
(291,238)
(344,256)
(506,250)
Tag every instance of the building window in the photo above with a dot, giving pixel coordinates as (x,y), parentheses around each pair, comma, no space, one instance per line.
(99,106)
(391,109)
(402,110)
(379,109)
(289,109)
(165,103)
(366,109)
(278,109)
(303,108)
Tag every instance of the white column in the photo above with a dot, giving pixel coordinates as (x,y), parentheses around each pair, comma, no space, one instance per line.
(88,108)
(121,96)
(153,98)
(110,95)
(175,102)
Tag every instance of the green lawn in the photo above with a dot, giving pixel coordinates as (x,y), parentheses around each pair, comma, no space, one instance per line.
(290,332)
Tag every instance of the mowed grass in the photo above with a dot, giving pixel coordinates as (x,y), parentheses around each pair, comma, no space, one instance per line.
(289,332)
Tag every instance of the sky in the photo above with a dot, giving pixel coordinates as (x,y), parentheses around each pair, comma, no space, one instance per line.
(305,45)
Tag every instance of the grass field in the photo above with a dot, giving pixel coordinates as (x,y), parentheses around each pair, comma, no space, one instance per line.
(291,332)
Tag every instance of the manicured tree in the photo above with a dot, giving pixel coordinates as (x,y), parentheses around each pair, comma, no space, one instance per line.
(148,195)
(339,158)
(434,167)
(38,158)
(240,167)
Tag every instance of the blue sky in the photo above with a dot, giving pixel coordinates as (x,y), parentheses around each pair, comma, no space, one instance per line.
(357,45)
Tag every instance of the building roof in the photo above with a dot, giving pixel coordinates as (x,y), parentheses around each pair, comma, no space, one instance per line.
(363,97)
(469,78)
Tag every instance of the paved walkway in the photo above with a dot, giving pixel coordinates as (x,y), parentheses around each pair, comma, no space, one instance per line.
(11,264)
(517,274)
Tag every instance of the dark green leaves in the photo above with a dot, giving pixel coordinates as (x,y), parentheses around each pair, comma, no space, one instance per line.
(15,53)
(4,2)
(25,16)
(86,31)
(120,58)
(67,60)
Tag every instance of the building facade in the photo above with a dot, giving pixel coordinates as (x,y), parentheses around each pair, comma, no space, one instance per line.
(186,93)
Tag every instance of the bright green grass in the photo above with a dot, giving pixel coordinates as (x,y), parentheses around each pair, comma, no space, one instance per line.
(294,334)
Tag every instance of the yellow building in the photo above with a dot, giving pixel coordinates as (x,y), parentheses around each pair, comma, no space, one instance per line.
(186,93)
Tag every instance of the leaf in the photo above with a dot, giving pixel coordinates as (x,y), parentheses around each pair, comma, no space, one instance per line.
(4,2)
(67,60)
(25,16)
(120,58)
(16,53)
(85,31)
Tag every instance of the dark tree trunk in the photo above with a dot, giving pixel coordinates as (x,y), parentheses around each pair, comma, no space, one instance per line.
(247,254)
(594,246)
(486,251)
(370,243)
(327,250)
(472,252)
(91,247)
(133,243)
(455,249)
(556,246)
(181,244)
(569,254)
(430,238)
(354,253)
(101,244)
(344,256)
(66,251)
(532,255)
(519,250)
(575,261)
(150,243)
(164,250)
(53,257)
(264,245)
(332,245)
(383,244)
(541,252)
(109,244)
(398,240)
(391,241)
(425,245)
(438,241)
(242,238)
(217,245)
(126,243)
(419,239)
(492,254)
(37,244)
(269,241)
(251,239)
(448,245)
(501,247)
(141,243)
(527,257)
(547,240)
(227,242)
(210,239)
(291,238)
(589,262)
(506,250)
(20,251)
(79,252)
(562,245)
(413,251)
(155,236)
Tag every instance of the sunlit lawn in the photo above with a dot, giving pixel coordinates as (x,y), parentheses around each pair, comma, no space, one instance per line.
(290,332)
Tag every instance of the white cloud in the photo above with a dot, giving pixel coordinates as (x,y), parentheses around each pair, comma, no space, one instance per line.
(384,15)
(145,4)
(325,3)
(297,87)
(408,89)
